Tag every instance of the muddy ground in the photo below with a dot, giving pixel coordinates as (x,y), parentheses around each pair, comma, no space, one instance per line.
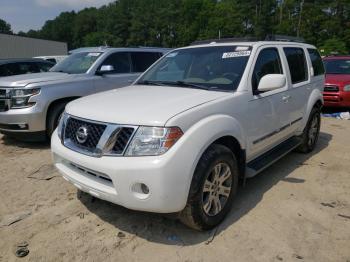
(296,210)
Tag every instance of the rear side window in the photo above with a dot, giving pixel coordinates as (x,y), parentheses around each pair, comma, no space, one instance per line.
(316,61)
(297,64)
(268,62)
(120,62)
(142,60)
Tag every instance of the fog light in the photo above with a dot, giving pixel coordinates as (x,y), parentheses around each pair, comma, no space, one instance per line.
(144,189)
(140,191)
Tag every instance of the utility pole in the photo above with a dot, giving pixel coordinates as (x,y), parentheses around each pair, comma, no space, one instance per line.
(299,22)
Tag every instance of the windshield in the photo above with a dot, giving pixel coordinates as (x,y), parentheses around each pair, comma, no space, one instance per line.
(212,68)
(337,66)
(77,63)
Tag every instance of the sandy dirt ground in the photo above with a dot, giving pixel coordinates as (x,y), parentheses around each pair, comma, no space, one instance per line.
(296,210)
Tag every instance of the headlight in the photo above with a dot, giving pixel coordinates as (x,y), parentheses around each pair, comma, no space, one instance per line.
(20,97)
(347,88)
(61,125)
(152,141)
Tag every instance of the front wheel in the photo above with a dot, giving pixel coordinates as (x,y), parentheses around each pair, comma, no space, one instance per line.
(311,132)
(213,188)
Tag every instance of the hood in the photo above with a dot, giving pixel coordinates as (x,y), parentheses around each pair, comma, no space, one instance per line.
(337,79)
(26,79)
(140,104)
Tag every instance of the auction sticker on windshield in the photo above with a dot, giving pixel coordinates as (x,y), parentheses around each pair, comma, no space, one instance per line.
(93,54)
(236,54)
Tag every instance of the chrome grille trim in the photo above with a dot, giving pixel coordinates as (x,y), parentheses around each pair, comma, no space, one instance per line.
(4,99)
(106,142)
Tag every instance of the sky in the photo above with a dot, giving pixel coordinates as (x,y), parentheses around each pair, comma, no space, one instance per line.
(24,15)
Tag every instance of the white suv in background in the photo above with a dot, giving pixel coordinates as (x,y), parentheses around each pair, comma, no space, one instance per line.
(201,118)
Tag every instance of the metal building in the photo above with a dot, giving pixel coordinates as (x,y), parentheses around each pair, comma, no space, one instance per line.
(13,46)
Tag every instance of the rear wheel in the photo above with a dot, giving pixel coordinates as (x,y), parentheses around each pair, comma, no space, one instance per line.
(213,187)
(311,132)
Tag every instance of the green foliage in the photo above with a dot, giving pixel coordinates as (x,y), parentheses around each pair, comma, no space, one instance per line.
(172,23)
(5,28)
(333,46)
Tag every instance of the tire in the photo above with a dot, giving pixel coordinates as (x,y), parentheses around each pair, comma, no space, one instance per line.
(206,205)
(311,132)
(53,117)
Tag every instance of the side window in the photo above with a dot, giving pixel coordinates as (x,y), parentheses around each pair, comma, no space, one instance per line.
(53,60)
(316,61)
(120,62)
(142,60)
(297,64)
(44,67)
(268,62)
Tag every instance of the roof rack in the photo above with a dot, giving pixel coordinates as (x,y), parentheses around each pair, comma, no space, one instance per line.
(225,40)
(284,38)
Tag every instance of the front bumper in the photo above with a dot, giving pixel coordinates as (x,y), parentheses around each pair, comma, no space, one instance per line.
(116,179)
(24,120)
(336,99)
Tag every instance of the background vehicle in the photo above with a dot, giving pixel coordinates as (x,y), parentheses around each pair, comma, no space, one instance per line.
(30,105)
(53,59)
(10,67)
(337,88)
(201,118)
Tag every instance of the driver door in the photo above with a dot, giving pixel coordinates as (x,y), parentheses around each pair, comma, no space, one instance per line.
(269,110)
(120,76)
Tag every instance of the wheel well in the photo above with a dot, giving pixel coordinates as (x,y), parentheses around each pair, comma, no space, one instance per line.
(233,144)
(319,104)
(59,101)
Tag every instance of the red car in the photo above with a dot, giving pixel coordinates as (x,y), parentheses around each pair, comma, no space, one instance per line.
(337,88)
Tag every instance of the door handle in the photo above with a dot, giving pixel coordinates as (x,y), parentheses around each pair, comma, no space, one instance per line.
(286,98)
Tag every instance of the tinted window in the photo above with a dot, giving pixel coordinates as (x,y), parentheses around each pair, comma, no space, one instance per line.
(44,67)
(297,64)
(337,66)
(142,60)
(120,62)
(316,61)
(268,62)
(216,68)
(27,68)
(3,70)
(53,60)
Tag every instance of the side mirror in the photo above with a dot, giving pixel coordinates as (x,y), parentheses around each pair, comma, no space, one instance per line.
(271,82)
(105,69)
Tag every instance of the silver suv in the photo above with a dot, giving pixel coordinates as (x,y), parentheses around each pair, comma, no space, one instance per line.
(30,105)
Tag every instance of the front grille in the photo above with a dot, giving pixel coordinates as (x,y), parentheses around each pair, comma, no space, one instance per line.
(2,93)
(3,106)
(331,88)
(122,140)
(94,133)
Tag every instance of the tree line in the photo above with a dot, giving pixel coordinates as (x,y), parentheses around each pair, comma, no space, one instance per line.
(173,23)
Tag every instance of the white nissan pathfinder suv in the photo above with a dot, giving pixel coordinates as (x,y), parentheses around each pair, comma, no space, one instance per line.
(201,118)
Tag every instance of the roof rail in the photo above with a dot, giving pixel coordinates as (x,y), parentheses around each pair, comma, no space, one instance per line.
(285,38)
(225,40)
(270,37)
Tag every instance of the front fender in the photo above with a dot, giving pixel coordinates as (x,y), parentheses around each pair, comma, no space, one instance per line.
(200,136)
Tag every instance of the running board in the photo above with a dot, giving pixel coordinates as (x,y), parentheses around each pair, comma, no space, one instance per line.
(259,164)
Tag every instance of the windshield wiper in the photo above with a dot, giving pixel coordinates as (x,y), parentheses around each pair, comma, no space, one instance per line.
(150,82)
(188,84)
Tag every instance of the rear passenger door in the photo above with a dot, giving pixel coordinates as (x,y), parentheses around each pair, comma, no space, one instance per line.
(121,76)
(299,85)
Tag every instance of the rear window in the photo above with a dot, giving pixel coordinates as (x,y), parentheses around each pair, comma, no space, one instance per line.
(316,61)
(297,64)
